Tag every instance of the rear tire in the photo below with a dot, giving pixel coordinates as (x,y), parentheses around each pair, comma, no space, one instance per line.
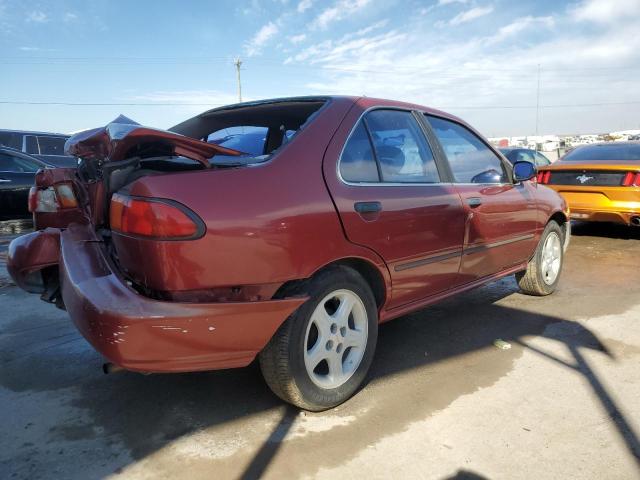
(543,271)
(321,354)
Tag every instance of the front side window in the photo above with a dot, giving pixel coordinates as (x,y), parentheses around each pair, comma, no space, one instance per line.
(51,145)
(401,149)
(471,160)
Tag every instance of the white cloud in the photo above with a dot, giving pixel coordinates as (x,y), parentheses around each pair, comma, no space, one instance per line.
(304,5)
(521,24)
(455,74)
(341,9)
(36,49)
(252,8)
(262,36)
(471,14)
(448,2)
(297,38)
(37,16)
(70,17)
(604,11)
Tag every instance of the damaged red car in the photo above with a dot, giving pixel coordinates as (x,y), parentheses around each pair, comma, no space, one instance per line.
(285,230)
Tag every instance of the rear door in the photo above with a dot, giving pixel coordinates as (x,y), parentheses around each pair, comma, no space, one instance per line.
(501,217)
(389,192)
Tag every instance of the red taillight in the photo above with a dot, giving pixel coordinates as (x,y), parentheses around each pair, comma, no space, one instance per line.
(33,199)
(151,218)
(52,199)
(631,179)
(543,177)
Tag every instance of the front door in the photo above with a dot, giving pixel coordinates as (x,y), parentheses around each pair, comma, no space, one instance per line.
(501,217)
(16,178)
(388,191)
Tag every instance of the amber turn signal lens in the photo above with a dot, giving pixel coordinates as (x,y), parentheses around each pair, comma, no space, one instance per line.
(150,218)
(66,197)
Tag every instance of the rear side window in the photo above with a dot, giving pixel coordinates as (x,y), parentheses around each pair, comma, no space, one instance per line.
(388,146)
(471,160)
(51,145)
(520,156)
(541,160)
(32,145)
(357,163)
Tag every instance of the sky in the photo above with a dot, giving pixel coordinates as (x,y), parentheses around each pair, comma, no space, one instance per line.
(507,67)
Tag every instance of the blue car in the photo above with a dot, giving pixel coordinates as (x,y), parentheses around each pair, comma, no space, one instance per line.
(525,155)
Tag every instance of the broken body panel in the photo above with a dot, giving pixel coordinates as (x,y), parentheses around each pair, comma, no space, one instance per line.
(149,303)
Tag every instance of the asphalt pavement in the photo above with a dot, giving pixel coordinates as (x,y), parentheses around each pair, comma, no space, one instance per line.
(490,384)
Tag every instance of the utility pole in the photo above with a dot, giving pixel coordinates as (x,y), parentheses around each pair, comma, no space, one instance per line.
(538,102)
(237,63)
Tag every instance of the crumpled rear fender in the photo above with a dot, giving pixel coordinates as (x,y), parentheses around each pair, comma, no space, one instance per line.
(30,254)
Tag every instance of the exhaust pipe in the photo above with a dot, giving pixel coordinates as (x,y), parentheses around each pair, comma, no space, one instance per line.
(111,368)
(635,221)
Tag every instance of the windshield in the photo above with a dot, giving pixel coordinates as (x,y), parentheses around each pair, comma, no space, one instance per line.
(612,151)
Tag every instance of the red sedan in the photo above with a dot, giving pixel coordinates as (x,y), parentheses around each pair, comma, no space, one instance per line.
(284,229)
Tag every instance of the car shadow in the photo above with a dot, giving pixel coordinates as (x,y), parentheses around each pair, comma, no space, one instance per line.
(605,229)
(147,413)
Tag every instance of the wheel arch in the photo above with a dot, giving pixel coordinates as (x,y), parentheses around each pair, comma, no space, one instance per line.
(367,269)
(561,219)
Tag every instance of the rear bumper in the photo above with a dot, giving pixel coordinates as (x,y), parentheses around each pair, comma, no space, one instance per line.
(601,204)
(141,334)
(597,215)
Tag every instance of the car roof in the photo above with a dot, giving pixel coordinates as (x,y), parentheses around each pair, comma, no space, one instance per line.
(364,101)
(610,144)
(233,106)
(33,132)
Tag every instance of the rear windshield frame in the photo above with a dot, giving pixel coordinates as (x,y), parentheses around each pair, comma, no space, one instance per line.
(203,125)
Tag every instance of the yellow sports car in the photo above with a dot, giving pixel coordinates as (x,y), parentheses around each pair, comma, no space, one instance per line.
(600,182)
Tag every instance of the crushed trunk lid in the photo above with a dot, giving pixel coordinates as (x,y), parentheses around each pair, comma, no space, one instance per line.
(123,138)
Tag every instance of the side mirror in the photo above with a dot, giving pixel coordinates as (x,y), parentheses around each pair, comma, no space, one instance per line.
(523,171)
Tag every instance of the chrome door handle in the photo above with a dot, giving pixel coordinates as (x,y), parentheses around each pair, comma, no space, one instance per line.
(367,207)
(474,202)
(5,180)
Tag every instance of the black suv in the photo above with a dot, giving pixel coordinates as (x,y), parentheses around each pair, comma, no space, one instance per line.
(48,147)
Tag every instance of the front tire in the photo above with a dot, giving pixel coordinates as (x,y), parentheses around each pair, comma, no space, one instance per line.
(543,271)
(321,354)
